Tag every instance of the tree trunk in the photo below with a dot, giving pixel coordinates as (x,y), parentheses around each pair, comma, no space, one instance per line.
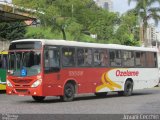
(64,34)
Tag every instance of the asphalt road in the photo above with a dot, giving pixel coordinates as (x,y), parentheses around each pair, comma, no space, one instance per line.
(145,101)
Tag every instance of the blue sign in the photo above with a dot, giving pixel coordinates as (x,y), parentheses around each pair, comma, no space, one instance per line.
(23,72)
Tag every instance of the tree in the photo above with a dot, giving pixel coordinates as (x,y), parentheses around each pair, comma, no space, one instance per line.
(127,30)
(58,14)
(146,10)
(103,25)
(12,31)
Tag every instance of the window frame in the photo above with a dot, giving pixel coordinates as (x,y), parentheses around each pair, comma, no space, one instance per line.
(58,48)
(61,57)
(101,49)
(121,66)
(154,53)
(124,66)
(145,66)
(84,48)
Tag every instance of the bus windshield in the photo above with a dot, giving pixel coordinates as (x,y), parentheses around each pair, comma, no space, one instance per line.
(28,60)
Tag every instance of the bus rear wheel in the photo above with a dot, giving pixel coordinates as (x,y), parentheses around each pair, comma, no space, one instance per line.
(128,89)
(69,93)
(38,98)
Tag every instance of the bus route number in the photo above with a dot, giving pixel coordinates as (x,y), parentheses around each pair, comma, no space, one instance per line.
(75,73)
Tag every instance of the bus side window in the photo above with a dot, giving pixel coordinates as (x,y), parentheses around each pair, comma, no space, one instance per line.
(140,59)
(68,57)
(104,58)
(151,59)
(128,58)
(80,57)
(143,59)
(88,57)
(137,59)
(155,60)
(97,58)
(100,58)
(115,58)
(84,57)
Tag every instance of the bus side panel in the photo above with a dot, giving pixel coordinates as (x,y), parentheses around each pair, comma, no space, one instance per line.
(91,80)
(114,79)
(52,84)
(86,80)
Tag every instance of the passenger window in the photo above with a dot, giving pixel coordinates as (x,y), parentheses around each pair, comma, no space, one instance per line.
(68,57)
(84,57)
(115,58)
(128,59)
(100,58)
(151,59)
(140,59)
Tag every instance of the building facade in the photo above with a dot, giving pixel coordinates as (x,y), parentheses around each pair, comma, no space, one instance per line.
(105,4)
(151,35)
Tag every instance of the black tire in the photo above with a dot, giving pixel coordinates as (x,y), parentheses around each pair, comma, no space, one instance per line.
(101,94)
(121,93)
(38,98)
(128,89)
(69,93)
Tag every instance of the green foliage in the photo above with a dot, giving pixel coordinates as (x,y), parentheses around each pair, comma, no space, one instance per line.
(78,19)
(146,10)
(12,31)
(47,33)
(127,32)
(74,16)
(41,33)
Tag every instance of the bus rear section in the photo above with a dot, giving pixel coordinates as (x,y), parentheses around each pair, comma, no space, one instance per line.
(3,68)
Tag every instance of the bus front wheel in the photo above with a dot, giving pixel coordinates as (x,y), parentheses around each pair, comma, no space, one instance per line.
(38,98)
(69,93)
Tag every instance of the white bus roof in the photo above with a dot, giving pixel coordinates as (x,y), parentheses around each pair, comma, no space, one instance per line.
(85,44)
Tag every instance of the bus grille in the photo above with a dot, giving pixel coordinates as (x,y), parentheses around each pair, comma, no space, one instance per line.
(22,81)
(21,90)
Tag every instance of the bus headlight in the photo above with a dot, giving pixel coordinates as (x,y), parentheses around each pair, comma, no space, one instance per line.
(9,83)
(36,83)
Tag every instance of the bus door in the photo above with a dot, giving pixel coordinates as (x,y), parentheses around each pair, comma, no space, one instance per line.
(51,70)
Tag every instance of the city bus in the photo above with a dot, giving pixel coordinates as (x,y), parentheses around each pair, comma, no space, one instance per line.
(41,68)
(3,68)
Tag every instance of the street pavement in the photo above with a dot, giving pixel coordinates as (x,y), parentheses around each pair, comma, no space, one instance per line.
(145,101)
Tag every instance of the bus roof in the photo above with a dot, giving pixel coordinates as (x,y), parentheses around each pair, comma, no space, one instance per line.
(85,44)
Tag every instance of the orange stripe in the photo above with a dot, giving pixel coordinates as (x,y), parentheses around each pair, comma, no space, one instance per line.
(107,82)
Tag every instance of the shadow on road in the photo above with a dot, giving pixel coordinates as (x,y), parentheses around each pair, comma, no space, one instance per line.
(89,97)
(2,92)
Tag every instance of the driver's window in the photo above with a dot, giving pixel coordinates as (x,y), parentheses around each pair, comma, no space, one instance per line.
(51,59)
